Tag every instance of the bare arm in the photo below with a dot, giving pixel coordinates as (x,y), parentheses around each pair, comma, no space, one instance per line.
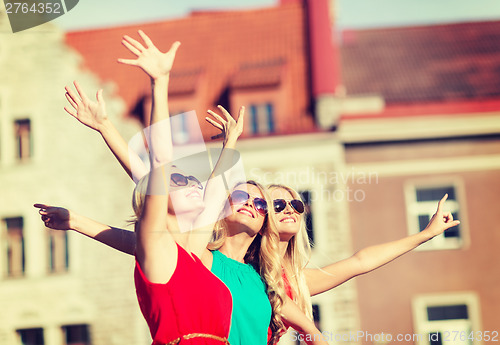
(296,318)
(93,115)
(371,258)
(59,218)
(156,250)
(216,190)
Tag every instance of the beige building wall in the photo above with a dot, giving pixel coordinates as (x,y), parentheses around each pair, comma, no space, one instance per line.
(71,167)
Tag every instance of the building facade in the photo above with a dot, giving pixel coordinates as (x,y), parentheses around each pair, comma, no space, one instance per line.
(55,285)
(436,132)
(370,137)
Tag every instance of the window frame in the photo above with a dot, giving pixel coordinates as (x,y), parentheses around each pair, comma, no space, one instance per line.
(423,326)
(52,238)
(18,151)
(415,208)
(5,237)
(180,129)
(19,334)
(261,118)
(64,330)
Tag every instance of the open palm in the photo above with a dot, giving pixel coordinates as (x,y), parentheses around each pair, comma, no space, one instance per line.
(152,61)
(230,128)
(91,113)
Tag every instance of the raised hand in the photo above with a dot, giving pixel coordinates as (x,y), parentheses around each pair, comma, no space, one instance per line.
(230,128)
(56,218)
(441,221)
(152,61)
(91,113)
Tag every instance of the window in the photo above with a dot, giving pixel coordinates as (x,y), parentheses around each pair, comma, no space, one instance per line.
(76,335)
(23,138)
(262,118)
(31,336)
(15,246)
(421,205)
(180,132)
(446,319)
(306,197)
(58,251)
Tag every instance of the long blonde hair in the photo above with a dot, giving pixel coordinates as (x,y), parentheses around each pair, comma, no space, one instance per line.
(297,255)
(263,255)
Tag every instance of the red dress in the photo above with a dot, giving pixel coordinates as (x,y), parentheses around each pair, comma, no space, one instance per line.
(192,301)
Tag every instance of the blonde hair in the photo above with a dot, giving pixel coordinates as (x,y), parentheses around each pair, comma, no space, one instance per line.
(263,255)
(297,255)
(138,197)
(139,194)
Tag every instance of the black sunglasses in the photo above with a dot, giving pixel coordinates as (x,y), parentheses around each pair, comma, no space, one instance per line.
(181,180)
(280,205)
(241,197)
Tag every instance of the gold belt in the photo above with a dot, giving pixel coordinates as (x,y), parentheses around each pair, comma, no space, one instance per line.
(198,335)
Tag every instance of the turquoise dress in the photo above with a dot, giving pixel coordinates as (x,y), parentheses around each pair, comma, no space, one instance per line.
(251,307)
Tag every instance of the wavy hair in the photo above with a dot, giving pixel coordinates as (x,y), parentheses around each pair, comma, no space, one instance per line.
(297,255)
(263,255)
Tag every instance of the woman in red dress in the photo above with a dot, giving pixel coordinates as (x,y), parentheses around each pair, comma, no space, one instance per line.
(181,300)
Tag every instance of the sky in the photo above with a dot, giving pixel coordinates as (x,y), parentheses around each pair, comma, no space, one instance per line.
(350,13)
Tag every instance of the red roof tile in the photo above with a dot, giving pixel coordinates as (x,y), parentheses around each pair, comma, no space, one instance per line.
(268,73)
(440,63)
(215,47)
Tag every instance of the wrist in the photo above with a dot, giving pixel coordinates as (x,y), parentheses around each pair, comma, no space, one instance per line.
(162,78)
(73,222)
(105,127)
(230,142)
(427,234)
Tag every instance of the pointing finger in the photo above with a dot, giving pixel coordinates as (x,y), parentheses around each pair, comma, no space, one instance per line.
(441,203)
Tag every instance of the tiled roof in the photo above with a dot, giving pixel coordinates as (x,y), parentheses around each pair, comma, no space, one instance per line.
(268,73)
(428,64)
(216,49)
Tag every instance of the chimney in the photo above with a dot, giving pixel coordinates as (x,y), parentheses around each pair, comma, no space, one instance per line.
(324,55)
